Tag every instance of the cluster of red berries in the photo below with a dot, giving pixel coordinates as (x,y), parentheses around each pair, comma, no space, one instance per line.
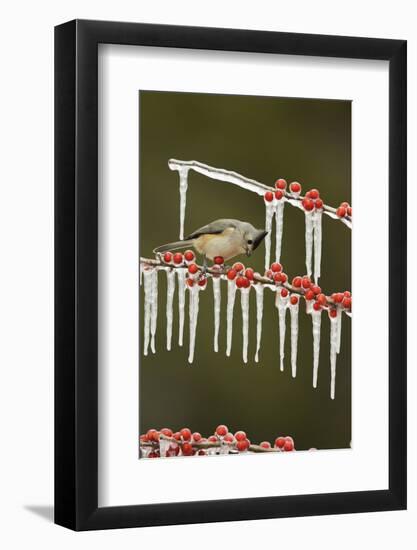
(241,275)
(312,201)
(344,210)
(281,190)
(188,443)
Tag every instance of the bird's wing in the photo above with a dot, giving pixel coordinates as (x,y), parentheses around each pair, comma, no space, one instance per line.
(218,226)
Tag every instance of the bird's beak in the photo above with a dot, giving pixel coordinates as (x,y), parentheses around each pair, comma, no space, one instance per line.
(260,236)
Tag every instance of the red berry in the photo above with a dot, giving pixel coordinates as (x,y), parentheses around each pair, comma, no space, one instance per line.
(202,281)
(337,297)
(186,434)
(309,295)
(177,436)
(249,273)
(213,439)
(280,442)
(231,274)
(269,196)
(196,436)
(313,194)
(201,452)
(222,430)
(189,255)
(308,204)
(347,303)
(243,445)
(178,258)
(317,306)
(187,449)
(341,212)
(167,432)
(152,435)
(347,293)
(297,282)
(284,278)
(288,445)
(238,267)
(316,289)
(242,282)
(349,210)
(153,454)
(219,260)
(333,312)
(265,445)
(190,282)
(276,267)
(294,300)
(306,283)
(143,438)
(229,438)
(168,257)
(319,204)
(284,292)
(240,436)
(281,184)
(322,300)
(295,187)
(279,194)
(277,278)
(268,274)
(192,268)
(344,204)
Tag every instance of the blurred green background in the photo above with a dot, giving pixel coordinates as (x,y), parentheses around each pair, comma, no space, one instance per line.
(263,138)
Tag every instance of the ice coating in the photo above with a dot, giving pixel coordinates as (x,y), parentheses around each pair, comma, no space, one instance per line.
(217,303)
(269,214)
(334,330)
(294,337)
(317,243)
(231,295)
(259,290)
(279,226)
(183,174)
(281,304)
(244,302)
(169,305)
(147,286)
(339,328)
(154,307)
(181,275)
(309,217)
(193,316)
(316,318)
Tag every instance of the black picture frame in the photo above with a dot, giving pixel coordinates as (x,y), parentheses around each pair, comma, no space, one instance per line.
(76,271)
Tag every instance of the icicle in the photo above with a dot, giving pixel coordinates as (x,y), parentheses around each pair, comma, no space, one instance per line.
(181,274)
(334,329)
(279,226)
(231,295)
(141,269)
(309,216)
(281,304)
(183,173)
(339,328)
(269,214)
(170,298)
(259,289)
(317,221)
(154,308)
(147,284)
(316,318)
(193,314)
(244,302)
(217,303)
(294,337)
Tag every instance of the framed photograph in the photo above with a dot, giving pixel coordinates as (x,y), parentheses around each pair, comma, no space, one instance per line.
(230,275)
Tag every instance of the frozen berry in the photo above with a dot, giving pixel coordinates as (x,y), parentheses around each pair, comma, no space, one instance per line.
(284,292)
(192,268)
(242,282)
(347,293)
(177,436)
(294,300)
(332,312)
(152,435)
(229,438)
(306,283)
(168,257)
(240,436)
(189,255)
(190,282)
(288,445)
(238,267)
(269,196)
(249,273)
(242,445)
(337,297)
(167,432)
(319,204)
(347,303)
(297,282)
(313,194)
(178,258)
(201,452)
(349,211)
(308,204)
(231,274)
(317,306)
(309,295)
(279,194)
(316,289)
(265,445)
(196,436)
(185,434)
(344,204)
(322,300)
(219,260)
(202,281)
(341,212)
(213,439)
(280,184)
(276,267)
(280,442)
(187,449)
(295,187)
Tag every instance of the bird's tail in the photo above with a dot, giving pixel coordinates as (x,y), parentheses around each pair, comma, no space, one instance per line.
(173,246)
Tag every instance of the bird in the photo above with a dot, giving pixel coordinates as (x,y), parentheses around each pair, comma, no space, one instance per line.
(224,238)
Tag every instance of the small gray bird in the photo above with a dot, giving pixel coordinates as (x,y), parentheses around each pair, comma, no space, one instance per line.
(226,238)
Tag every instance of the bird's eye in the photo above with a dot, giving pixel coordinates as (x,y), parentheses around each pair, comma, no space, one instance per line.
(250,242)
